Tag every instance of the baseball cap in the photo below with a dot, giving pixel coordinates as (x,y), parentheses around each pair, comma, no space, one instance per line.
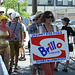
(66,19)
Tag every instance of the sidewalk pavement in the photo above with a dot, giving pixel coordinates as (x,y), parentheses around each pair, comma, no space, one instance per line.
(25,67)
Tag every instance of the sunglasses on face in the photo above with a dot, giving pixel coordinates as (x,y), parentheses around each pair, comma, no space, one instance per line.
(50,17)
(10,13)
(16,17)
(1,11)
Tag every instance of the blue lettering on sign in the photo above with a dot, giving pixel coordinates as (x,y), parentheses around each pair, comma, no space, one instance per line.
(51,47)
(42,51)
(49,60)
(48,50)
(48,33)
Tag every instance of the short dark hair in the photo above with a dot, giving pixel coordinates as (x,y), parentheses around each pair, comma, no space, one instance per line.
(45,15)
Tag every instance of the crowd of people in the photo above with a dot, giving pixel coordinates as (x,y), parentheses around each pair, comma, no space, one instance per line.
(13,34)
(41,23)
(12,37)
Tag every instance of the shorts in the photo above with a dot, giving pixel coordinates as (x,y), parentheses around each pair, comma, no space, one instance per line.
(14,48)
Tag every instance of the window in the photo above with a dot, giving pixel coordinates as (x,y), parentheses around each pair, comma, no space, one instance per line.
(71,14)
(69,2)
(50,2)
(1,1)
(59,16)
(59,2)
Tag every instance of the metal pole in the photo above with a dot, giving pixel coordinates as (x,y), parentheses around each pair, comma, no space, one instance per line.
(34,6)
(0,2)
(44,8)
(66,12)
(18,7)
(55,15)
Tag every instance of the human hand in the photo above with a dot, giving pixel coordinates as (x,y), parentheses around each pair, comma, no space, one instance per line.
(13,34)
(24,40)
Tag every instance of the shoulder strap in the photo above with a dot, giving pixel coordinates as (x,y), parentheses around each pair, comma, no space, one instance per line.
(36,25)
(9,23)
(45,28)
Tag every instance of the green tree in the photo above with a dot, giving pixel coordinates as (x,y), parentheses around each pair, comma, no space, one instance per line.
(17,6)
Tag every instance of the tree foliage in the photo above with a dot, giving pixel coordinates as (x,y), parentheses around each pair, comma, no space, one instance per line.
(21,7)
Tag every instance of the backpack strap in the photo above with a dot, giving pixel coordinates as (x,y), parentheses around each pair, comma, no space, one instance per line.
(9,23)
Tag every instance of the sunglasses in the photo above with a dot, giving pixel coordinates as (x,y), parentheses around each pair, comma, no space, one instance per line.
(1,11)
(50,17)
(16,17)
(10,13)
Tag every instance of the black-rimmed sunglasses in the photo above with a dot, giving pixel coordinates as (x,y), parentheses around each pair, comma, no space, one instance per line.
(10,13)
(1,11)
(17,17)
(50,17)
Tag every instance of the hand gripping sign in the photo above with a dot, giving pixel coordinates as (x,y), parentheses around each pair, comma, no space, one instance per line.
(49,47)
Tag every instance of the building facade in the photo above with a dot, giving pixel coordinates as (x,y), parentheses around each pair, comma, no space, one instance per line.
(62,7)
(1,2)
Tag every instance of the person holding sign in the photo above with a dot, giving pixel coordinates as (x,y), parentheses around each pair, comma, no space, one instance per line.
(47,18)
(69,30)
(15,27)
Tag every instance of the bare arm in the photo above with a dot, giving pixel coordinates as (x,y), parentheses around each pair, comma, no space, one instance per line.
(57,28)
(9,31)
(20,34)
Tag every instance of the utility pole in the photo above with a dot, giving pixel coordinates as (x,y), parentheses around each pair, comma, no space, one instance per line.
(34,6)
(0,2)
(55,15)
(18,7)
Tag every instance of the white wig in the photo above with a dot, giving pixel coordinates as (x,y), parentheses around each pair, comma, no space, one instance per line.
(3,9)
(10,11)
(14,15)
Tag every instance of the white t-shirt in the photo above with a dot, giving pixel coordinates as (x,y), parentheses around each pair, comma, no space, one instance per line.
(40,29)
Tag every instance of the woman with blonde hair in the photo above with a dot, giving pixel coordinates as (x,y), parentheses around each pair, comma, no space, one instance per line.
(5,33)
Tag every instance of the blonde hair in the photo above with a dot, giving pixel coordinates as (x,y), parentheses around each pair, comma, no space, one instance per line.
(3,17)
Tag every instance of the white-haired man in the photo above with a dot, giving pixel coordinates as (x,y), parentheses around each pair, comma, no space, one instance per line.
(9,12)
(2,10)
(15,27)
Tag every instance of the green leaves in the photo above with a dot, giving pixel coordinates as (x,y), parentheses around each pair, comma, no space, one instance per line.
(14,5)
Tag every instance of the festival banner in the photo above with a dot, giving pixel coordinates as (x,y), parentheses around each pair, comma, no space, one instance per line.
(49,47)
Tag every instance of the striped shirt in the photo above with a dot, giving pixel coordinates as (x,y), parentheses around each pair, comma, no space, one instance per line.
(14,27)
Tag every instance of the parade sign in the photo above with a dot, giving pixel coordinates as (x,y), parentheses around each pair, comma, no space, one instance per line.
(49,47)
